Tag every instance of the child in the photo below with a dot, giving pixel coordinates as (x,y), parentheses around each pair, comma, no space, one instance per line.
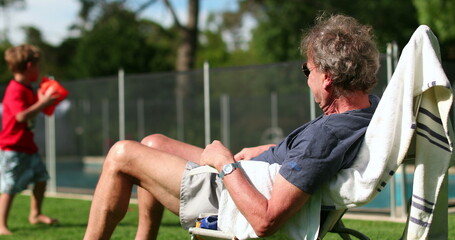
(20,163)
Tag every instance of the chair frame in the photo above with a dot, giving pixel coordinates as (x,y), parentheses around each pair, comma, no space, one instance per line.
(330,222)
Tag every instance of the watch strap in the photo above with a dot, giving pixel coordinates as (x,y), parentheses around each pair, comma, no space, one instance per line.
(234,166)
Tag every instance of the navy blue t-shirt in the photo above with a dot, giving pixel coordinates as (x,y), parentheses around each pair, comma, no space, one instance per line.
(316,151)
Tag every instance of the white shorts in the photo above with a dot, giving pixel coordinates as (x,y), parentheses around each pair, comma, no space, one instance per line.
(199,193)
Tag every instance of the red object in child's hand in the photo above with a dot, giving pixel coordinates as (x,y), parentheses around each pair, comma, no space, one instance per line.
(59,90)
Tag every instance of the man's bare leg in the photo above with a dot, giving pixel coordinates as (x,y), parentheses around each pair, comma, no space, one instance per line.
(6,200)
(165,144)
(151,210)
(150,214)
(36,202)
(129,163)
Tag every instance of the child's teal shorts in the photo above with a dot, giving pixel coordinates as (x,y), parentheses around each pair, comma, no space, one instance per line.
(18,170)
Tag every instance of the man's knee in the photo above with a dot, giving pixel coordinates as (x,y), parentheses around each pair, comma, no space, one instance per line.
(155,140)
(118,154)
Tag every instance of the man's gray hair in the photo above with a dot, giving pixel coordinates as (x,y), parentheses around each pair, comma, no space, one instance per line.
(345,50)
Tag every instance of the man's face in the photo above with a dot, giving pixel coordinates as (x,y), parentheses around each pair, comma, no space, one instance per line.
(315,82)
(320,85)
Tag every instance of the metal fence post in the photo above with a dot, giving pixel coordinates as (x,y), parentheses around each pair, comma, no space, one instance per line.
(105,126)
(50,152)
(207,103)
(274,109)
(393,203)
(404,211)
(121,103)
(312,106)
(140,118)
(225,120)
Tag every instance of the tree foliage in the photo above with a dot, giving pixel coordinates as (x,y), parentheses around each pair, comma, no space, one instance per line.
(118,40)
(430,13)
(392,21)
(438,15)
(212,49)
(8,3)
(112,35)
(5,5)
(279,29)
(4,72)
(280,25)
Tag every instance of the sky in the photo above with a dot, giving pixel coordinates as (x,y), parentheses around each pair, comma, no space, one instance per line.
(53,17)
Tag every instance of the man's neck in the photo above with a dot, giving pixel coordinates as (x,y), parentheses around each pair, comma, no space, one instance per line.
(353,101)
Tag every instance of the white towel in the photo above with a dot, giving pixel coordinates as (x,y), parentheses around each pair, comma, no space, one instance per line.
(304,225)
(418,77)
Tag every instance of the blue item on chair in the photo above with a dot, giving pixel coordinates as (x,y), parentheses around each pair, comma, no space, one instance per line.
(210,222)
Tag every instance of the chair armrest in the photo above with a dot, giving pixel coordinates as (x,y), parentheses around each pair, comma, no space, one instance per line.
(210,234)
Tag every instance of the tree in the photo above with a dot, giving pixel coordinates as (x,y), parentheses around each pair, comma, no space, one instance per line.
(431,13)
(5,5)
(387,18)
(279,29)
(5,74)
(186,59)
(49,64)
(280,24)
(118,40)
(212,49)
(188,34)
(8,3)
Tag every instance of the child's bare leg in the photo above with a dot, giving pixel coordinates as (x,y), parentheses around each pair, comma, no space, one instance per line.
(36,202)
(6,201)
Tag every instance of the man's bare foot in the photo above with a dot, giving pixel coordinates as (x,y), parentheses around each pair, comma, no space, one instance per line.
(5,231)
(42,219)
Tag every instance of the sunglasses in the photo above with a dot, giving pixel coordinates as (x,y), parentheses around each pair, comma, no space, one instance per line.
(305,69)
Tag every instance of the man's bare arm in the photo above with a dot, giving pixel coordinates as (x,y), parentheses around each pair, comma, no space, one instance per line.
(266,216)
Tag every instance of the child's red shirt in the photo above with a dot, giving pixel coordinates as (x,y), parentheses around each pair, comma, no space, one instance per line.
(16,136)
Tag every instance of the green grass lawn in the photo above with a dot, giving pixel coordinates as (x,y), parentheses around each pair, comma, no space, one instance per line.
(73,216)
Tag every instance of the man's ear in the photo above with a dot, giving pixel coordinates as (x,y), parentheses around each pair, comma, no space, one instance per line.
(327,81)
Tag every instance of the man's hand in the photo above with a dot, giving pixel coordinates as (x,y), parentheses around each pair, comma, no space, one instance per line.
(216,155)
(249,153)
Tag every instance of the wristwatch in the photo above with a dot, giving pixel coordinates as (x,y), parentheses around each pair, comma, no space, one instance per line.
(228,169)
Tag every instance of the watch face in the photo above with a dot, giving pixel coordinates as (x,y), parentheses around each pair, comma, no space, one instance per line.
(228,168)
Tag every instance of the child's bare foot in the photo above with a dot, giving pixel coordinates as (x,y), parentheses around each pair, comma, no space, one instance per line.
(42,219)
(5,231)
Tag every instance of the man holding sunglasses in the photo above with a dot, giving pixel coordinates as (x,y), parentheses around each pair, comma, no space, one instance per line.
(342,64)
